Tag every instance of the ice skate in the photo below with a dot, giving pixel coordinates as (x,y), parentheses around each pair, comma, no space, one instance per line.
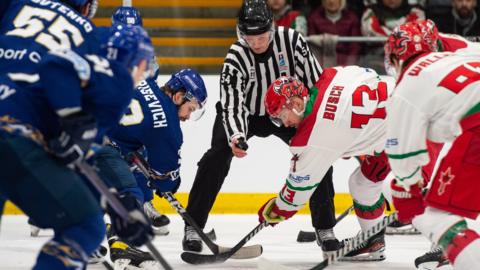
(431,260)
(98,256)
(191,240)
(159,222)
(399,228)
(371,250)
(125,257)
(327,241)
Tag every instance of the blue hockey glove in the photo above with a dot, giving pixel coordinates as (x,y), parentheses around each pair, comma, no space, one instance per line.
(168,183)
(138,229)
(78,133)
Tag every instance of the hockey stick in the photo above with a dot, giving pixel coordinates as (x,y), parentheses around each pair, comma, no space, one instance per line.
(350,245)
(195,258)
(243,253)
(304,237)
(95,180)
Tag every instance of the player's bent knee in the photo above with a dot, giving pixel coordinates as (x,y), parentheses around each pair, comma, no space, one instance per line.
(433,223)
(70,247)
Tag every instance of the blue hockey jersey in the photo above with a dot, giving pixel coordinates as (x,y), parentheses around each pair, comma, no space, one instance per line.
(106,95)
(152,122)
(30,28)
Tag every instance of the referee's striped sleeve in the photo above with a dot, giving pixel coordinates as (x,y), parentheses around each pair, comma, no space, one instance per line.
(232,98)
(308,69)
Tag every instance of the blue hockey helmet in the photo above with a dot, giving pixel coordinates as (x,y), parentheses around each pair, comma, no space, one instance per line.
(191,82)
(127,15)
(79,4)
(128,44)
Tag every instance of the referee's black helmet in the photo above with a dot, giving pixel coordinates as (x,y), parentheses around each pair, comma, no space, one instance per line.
(255,17)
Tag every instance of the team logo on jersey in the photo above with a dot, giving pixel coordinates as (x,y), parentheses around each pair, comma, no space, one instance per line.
(391,142)
(252,73)
(446,178)
(281,62)
(298,178)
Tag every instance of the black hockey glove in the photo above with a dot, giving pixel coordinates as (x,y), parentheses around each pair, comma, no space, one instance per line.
(78,133)
(138,229)
(242,144)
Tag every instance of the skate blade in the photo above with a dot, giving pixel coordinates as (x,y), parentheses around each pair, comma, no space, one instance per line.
(34,231)
(367,257)
(161,230)
(431,265)
(121,264)
(150,265)
(95,260)
(395,231)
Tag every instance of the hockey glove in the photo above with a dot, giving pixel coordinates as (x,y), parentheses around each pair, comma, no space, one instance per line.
(168,183)
(78,133)
(272,214)
(408,203)
(138,229)
(375,168)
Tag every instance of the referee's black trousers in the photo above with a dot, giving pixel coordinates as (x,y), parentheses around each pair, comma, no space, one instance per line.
(214,165)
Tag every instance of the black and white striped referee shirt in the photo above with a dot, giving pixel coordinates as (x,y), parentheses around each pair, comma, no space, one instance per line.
(245,79)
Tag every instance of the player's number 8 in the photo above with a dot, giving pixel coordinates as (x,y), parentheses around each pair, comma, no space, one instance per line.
(29,23)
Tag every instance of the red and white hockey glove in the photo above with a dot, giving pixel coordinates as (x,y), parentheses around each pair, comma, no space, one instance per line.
(272,214)
(408,203)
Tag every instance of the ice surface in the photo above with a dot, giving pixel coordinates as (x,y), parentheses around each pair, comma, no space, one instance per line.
(18,250)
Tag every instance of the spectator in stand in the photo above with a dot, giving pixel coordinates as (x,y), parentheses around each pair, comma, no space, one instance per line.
(461,20)
(332,18)
(284,15)
(381,18)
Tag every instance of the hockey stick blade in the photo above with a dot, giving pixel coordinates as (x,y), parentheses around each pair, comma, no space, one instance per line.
(305,237)
(195,258)
(208,238)
(349,246)
(249,252)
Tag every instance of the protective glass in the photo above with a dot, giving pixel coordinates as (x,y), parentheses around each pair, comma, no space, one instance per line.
(199,109)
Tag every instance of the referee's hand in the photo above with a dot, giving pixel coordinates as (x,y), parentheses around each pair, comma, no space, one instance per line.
(238,152)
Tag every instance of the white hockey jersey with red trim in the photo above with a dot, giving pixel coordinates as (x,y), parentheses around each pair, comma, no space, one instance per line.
(347,119)
(431,97)
(458,44)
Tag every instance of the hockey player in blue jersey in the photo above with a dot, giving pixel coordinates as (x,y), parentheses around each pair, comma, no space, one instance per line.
(152,125)
(45,130)
(30,28)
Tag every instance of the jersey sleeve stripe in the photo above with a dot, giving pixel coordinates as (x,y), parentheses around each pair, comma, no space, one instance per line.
(406,155)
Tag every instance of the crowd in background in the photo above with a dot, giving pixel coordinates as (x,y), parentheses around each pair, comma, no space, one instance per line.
(329,19)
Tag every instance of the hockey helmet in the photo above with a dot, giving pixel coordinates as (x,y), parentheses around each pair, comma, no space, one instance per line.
(127,15)
(279,94)
(128,44)
(406,41)
(254,18)
(79,4)
(189,81)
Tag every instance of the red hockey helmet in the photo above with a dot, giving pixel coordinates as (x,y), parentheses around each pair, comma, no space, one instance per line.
(408,40)
(280,91)
(430,32)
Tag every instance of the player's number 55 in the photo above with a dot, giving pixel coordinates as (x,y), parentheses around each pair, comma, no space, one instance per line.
(30,22)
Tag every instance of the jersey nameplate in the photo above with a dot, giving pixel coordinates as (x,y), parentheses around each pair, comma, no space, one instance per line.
(158,115)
